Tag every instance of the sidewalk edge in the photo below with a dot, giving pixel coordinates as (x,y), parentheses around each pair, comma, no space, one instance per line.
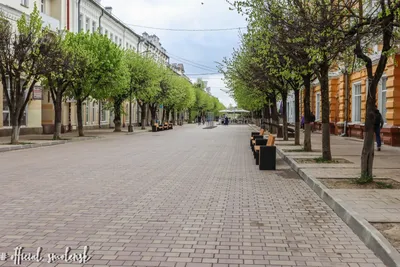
(50,143)
(372,238)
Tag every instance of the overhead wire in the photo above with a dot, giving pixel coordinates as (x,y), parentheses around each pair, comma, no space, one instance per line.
(191,61)
(188,30)
(193,65)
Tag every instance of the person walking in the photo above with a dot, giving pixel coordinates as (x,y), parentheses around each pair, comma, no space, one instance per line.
(377,128)
(312,120)
(199,120)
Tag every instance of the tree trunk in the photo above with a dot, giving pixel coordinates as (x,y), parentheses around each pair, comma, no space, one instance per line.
(307,110)
(167,113)
(368,151)
(297,117)
(117,115)
(267,115)
(163,114)
(143,116)
(284,117)
(274,117)
(80,118)
(174,116)
(153,111)
(15,134)
(326,133)
(57,118)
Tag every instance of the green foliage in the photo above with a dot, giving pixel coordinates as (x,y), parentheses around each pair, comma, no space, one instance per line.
(100,71)
(143,76)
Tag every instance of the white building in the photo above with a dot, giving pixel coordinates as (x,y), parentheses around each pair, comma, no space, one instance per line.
(75,15)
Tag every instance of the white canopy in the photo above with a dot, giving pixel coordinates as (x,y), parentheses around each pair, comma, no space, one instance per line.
(234,111)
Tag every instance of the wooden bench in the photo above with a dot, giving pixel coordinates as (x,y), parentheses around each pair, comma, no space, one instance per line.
(256,135)
(154,127)
(258,143)
(270,142)
(266,155)
(166,127)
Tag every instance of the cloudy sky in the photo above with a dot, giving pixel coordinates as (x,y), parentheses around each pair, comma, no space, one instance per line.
(197,50)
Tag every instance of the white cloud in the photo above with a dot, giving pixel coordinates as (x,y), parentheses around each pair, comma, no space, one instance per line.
(199,47)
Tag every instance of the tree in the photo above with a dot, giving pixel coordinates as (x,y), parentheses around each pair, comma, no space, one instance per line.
(143,79)
(123,88)
(62,63)
(380,23)
(23,54)
(95,78)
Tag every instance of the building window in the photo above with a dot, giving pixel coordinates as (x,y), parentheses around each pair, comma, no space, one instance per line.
(120,41)
(94,27)
(106,33)
(127,112)
(25,3)
(87,112)
(356,103)
(111,36)
(42,6)
(94,112)
(382,97)
(103,113)
(87,28)
(116,39)
(81,22)
(318,107)
(6,110)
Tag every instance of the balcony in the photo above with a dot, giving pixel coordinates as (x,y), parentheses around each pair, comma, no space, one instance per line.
(53,23)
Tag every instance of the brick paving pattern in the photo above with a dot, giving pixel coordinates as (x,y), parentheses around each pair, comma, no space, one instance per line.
(187,197)
(379,205)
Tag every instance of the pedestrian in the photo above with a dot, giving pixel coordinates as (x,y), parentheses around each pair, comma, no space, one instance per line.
(312,120)
(377,127)
(199,120)
(226,120)
(302,122)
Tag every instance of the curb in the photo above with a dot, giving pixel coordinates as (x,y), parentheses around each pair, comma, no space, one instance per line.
(51,143)
(372,238)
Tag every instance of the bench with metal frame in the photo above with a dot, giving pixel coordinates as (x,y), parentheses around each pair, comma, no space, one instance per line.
(266,154)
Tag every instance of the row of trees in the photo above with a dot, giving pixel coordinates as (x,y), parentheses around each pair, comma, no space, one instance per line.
(291,43)
(204,102)
(84,66)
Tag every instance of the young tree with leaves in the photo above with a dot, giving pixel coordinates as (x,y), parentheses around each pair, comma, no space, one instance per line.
(23,62)
(95,78)
(378,22)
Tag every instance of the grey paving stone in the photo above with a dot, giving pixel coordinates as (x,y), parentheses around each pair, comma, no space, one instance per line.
(185,197)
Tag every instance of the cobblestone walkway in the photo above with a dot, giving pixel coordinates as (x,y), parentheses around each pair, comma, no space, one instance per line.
(186,197)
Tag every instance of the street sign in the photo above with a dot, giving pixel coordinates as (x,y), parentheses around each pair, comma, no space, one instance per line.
(37,93)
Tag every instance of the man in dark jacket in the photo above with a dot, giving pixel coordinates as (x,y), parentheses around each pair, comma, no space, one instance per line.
(377,127)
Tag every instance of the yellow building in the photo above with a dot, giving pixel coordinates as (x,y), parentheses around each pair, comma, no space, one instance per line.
(351,108)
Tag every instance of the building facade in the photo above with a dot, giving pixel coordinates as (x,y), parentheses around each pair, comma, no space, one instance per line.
(348,105)
(76,15)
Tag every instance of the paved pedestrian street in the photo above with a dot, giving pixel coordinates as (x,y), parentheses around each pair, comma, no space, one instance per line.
(183,197)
